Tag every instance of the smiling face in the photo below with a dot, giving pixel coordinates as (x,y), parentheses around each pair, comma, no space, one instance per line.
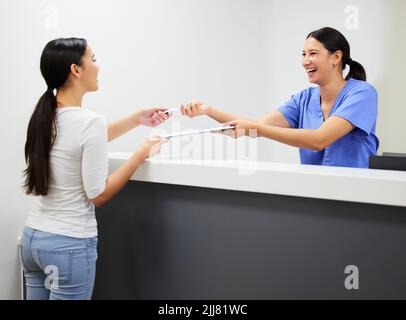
(320,65)
(84,76)
(89,71)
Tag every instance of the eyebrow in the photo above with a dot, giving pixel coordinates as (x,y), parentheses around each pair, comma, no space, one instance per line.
(310,50)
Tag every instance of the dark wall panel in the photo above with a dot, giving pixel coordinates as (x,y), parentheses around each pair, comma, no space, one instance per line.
(160,241)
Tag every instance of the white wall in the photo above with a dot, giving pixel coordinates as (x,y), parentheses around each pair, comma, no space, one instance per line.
(241,55)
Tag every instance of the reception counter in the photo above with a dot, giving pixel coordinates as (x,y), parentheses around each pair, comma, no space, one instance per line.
(253,230)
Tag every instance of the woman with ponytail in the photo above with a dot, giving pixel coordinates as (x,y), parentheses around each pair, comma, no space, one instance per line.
(67,172)
(332,124)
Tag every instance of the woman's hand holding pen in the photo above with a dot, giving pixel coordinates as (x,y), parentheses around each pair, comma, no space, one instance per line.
(152,117)
(194,108)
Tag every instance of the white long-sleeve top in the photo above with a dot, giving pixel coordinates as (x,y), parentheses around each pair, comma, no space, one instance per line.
(79,169)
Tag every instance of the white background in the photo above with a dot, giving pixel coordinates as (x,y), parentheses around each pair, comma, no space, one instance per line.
(240,55)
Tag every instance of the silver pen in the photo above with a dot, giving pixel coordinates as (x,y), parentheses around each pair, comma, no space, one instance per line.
(171,110)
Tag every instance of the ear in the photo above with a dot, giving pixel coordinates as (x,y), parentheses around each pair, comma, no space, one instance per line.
(338,56)
(74,69)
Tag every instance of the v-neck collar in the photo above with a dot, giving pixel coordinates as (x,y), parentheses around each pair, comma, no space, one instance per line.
(340,94)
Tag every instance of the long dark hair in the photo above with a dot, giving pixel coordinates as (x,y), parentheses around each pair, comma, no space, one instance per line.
(333,40)
(56,60)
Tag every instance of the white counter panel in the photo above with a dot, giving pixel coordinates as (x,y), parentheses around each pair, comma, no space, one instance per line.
(332,183)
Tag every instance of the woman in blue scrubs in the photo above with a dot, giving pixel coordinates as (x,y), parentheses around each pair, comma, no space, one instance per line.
(333,124)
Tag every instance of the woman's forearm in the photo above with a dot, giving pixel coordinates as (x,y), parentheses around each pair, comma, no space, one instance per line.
(333,129)
(220,115)
(300,138)
(119,127)
(118,179)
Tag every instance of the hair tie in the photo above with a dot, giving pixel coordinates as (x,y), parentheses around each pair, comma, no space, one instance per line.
(350,61)
(52,90)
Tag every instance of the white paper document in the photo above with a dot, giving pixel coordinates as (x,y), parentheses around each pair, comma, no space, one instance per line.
(190,132)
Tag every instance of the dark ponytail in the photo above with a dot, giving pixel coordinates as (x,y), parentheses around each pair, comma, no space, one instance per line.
(357,71)
(56,60)
(333,41)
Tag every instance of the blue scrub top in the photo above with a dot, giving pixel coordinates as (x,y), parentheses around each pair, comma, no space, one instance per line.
(358,103)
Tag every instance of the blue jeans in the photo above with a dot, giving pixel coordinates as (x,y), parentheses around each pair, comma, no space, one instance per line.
(57,267)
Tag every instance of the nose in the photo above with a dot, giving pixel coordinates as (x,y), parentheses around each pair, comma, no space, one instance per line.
(305,61)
